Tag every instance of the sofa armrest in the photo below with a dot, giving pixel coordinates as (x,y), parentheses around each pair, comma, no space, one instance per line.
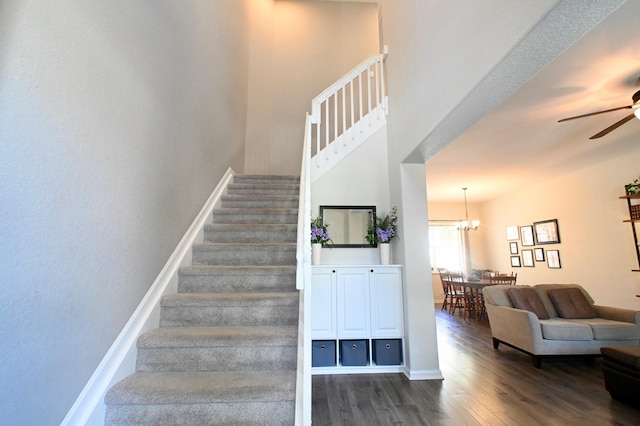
(517,327)
(618,314)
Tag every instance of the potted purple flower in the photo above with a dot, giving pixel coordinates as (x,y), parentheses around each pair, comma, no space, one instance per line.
(319,236)
(381,232)
(319,233)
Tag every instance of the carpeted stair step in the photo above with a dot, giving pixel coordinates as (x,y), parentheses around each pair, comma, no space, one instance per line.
(255,216)
(203,398)
(244,254)
(226,349)
(223,309)
(263,189)
(250,233)
(218,348)
(231,279)
(259,201)
(266,179)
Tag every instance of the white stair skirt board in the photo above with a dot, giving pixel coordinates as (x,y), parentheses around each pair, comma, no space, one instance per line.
(120,360)
(346,143)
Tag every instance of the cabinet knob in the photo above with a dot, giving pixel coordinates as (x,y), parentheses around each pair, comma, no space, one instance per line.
(372,270)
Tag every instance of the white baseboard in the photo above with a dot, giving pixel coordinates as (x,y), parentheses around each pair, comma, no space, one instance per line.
(119,362)
(424,374)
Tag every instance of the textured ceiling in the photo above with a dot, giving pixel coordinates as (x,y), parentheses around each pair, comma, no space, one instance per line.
(520,140)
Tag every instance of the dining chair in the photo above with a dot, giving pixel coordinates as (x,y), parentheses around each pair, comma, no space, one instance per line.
(470,302)
(456,276)
(504,279)
(486,275)
(447,295)
(456,292)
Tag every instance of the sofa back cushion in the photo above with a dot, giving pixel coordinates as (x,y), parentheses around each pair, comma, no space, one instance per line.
(571,303)
(497,295)
(543,290)
(527,299)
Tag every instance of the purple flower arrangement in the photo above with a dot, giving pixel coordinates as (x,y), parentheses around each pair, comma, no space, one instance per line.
(319,234)
(383,227)
(384,235)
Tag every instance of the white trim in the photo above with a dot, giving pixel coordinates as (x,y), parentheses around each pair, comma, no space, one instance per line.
(344,145)
(119,361)
(368,369)
(424,374)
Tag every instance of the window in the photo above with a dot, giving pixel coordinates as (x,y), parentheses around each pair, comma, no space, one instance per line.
(445,246)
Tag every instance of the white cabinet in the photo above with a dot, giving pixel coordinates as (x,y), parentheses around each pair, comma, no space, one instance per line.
(323,303)
(386,303)
(354,308)
(357,304)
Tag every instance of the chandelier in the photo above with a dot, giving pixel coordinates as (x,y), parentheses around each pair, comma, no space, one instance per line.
(463,225)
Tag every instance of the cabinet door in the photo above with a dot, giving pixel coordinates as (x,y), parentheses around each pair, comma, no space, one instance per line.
(353,303)
(323,303)
(386,303)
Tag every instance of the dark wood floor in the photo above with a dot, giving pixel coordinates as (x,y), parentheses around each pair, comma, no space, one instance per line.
(482,386)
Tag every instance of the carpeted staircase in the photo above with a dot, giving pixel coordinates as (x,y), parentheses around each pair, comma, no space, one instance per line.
(226,349)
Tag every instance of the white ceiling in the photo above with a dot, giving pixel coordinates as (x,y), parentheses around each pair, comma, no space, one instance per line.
(521,141)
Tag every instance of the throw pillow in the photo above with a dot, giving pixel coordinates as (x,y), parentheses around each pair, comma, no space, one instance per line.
(571,303)
(527,299)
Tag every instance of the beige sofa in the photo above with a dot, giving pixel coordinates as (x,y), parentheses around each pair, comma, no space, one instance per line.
(553,320)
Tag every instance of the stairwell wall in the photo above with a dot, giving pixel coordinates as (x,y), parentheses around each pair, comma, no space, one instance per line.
(309,45)
(360,179)
(116,120)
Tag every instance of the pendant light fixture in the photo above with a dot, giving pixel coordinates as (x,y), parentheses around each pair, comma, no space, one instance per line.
(464,224)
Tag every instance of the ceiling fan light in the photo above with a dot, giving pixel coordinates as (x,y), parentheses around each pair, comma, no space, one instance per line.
(637,113)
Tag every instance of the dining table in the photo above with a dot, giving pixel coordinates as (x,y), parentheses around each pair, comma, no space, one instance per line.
(475,300)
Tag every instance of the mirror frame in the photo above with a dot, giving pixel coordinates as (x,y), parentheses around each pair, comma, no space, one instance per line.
(365,244)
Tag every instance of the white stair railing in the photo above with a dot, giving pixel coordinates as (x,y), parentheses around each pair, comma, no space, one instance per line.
(303,284)
(351,109)
(347,113)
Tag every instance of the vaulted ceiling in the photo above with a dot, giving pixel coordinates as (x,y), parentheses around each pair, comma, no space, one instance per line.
(521,141)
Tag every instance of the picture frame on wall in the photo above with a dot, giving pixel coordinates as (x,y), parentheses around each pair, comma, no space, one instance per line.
(546,232)
(527,258)
(526,235)
(512,233)
(553,259)
(538,254)
(515,261)
(513,247)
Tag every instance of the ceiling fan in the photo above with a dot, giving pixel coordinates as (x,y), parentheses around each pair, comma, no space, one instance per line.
(635,98)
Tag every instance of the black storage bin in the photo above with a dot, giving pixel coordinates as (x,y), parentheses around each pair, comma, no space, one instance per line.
(323,353)
(354,352)
(387,351)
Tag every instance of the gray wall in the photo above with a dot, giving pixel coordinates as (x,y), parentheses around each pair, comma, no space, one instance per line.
(309,45)
(117,119)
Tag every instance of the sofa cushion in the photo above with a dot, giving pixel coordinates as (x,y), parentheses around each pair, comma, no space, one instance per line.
(571,303)
(526,298)
(543,289)
(604,329)
(558,329)
(497,295)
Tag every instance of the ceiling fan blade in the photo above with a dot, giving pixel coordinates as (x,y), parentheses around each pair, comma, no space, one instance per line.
(613,126)
(595,113)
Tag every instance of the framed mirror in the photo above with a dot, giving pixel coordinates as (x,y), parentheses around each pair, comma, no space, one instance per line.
(348,225)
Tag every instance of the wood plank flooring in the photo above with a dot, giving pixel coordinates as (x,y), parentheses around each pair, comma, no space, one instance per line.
(482,386)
